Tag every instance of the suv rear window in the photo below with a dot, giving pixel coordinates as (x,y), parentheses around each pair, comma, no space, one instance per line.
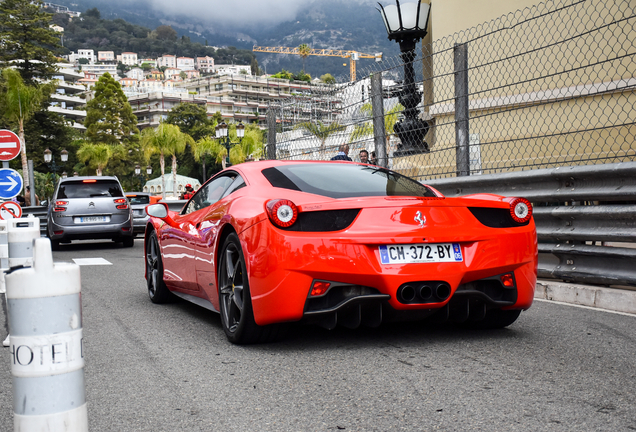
(89,189)
(344,180)
(138,199)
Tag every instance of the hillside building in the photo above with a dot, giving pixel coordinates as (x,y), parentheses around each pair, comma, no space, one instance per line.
(167,60)
(238,98)
(128,58)
(185,63)
(107,56)
(204,64)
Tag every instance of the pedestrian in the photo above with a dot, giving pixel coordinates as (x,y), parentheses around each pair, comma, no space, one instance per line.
(373,160)
(364,156)
(189,192)
(27,197)
(343,153)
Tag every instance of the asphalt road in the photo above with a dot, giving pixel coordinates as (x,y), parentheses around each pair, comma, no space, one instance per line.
(170,368)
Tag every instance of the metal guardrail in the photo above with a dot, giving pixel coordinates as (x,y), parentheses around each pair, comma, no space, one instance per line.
(576,211)
(40,213)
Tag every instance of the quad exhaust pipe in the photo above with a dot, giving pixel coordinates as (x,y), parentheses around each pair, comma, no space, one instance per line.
(423,292)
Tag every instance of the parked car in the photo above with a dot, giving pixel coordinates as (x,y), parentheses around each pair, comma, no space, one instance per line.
(138,202)
(89,208)
(331,243)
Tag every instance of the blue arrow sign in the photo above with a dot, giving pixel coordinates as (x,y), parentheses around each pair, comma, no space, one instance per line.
(10,183)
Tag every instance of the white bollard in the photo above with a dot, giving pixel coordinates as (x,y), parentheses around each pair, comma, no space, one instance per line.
(47,362)
(4,253)
(22,232)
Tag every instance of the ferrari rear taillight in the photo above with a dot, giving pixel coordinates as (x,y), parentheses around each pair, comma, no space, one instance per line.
(282,212)
(520,210)
(122,203)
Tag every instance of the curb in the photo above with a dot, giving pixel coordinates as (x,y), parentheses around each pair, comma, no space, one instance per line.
(611,299)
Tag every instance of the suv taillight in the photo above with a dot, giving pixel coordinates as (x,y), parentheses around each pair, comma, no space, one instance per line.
(59,206)
(121,203)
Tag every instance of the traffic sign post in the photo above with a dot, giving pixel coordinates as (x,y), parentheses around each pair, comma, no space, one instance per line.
(10,183)
(9,145)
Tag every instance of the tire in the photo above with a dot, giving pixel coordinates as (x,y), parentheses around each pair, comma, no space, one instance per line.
(128,241)
(157,289)
(235,301)
(497,318)
(55,245)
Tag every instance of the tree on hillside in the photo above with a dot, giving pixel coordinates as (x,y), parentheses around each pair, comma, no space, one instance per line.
(165,140)
(321,130)
(165,32)
(92,13)
(18,102)
(26,36)
(303,52)
(109,116)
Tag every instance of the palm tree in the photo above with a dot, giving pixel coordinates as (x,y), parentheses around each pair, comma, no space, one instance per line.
(96,154)
(321,130)
(20,102)
(167,140)
(303,52)
(250,145)
(366,128)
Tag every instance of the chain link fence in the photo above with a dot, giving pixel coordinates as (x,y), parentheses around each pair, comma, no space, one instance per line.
(546,86)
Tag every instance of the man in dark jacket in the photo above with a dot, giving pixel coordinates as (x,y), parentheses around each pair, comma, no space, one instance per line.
(343,154)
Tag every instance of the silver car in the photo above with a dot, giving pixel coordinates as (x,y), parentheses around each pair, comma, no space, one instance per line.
(138,202)
(89,208)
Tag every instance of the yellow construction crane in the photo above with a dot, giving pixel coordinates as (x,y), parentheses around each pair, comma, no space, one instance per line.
(353,56)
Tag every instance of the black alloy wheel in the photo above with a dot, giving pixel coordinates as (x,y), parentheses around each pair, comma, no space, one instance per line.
(234,295)
(157,290)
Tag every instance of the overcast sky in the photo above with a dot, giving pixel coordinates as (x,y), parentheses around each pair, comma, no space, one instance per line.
(236,12)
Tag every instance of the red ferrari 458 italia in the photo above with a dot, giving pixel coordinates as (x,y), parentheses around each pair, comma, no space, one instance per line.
(271,242)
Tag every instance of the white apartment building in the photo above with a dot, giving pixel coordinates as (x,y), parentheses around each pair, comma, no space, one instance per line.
(185,63)
(204,64)
(87,54)
(105,56)
(167,60)
(66,100)
(128,58)
(233,70)
(149,85)
(136,73)
(100,69)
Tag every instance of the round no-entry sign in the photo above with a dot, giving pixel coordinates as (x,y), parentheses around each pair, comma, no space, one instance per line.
(10,210)
(9,145)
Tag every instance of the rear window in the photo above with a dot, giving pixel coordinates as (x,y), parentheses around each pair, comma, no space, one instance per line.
(89,189)
(339,180)
(139,199)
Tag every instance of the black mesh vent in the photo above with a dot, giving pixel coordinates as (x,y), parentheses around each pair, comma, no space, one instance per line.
(321,221)
(495,217)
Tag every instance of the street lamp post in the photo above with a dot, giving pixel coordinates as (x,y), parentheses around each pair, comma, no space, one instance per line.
(406,24)
(50,161)
(140,176)
(223,136)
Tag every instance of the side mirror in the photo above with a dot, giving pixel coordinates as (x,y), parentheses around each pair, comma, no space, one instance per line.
(44,203)
(160,210)
(157,210)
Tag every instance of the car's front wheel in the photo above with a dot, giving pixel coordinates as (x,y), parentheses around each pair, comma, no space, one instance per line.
(235,301)
(157,289)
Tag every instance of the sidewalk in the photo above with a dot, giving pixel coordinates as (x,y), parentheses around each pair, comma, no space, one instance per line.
(612,299)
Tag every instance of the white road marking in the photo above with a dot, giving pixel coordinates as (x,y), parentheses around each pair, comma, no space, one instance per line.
(91,261)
